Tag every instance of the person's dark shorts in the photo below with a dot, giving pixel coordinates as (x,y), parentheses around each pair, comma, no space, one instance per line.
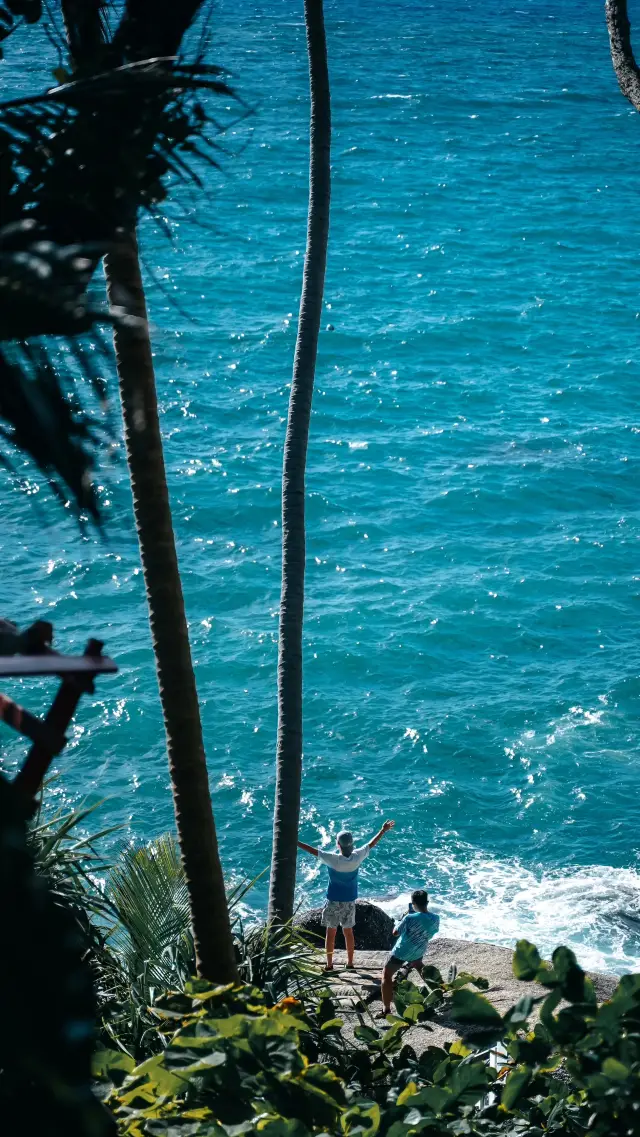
(393,964)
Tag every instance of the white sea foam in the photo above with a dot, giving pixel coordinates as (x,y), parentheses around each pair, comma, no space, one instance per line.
(594,909)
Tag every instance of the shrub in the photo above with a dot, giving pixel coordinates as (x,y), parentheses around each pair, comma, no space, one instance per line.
(231,1065)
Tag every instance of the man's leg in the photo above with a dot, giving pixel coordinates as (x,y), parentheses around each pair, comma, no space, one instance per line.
(386,989)
(351,945)
(329,944)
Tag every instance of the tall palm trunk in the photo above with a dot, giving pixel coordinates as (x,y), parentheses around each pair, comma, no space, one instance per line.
(215,959)
(178,694)
(289,742)
(624,64)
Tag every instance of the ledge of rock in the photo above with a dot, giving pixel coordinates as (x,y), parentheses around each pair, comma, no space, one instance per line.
(486,960)
(372,929)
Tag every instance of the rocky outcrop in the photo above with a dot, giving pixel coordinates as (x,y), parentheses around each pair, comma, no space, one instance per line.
(372,930)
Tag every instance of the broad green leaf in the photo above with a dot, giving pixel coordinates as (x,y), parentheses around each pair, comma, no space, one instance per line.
(412,1013)
(332,1024)
(409,1090)
(158,1076)
(569,975)
(434,1097)
(201,991)
(599,1086)
(515,1086)
(464,978)
(278,1025)
(469,1007)
(366,1033)
(548,1007)
(206,1062)
(392,1039)
(569,1026)
(519,1014)
(106,1060)
(615,1070)
(362,1118)
(326,1080)
(281,1127)
(526,961)
(234,1026)
(468,1081)
(139,1096)
(431,975)
(460,1049)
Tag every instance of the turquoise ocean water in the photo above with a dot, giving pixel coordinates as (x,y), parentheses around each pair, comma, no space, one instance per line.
(472,642)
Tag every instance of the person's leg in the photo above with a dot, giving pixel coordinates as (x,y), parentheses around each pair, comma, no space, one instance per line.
(347,920)
(329,944)
(386,987)
(330,920)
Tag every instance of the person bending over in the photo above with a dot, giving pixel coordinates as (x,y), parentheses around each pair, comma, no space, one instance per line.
(413,934)
(340,907)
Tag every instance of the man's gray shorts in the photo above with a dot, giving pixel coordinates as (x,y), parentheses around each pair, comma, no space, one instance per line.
(339,914)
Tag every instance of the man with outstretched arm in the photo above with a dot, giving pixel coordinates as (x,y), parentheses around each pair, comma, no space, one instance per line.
(340,907)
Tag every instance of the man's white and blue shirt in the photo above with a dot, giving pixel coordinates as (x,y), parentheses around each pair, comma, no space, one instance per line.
(343,873)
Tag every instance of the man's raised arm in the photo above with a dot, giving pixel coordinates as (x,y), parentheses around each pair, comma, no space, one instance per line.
(308,848)
(378,837)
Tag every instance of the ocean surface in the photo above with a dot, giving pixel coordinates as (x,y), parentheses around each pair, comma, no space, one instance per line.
(472,642)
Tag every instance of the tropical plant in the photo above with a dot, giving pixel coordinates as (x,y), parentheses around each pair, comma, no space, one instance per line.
(134,923)
(232,1064)
(69,860)
(147,32)
(290,739)
(279,960)
(149,947)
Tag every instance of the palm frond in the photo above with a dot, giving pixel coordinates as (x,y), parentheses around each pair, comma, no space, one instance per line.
(148,892)
(79,162)
(279,960)
(72,865)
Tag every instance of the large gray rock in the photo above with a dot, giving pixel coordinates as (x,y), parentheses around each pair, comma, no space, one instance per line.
(372,930)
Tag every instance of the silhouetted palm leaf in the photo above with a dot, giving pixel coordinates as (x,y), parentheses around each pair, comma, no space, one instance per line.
(78,162)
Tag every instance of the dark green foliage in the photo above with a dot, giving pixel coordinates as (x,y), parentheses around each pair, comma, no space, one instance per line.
(136,929)
(233,1065)
(279,1055)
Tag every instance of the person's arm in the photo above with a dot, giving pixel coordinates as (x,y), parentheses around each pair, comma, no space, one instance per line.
(378,837)
(399,927)
(308,848)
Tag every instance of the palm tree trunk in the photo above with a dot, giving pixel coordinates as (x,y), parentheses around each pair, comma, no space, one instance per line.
(624,64)
(289,741)
(187,764)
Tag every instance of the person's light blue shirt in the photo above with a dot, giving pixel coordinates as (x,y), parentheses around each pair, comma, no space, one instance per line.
(414,932)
